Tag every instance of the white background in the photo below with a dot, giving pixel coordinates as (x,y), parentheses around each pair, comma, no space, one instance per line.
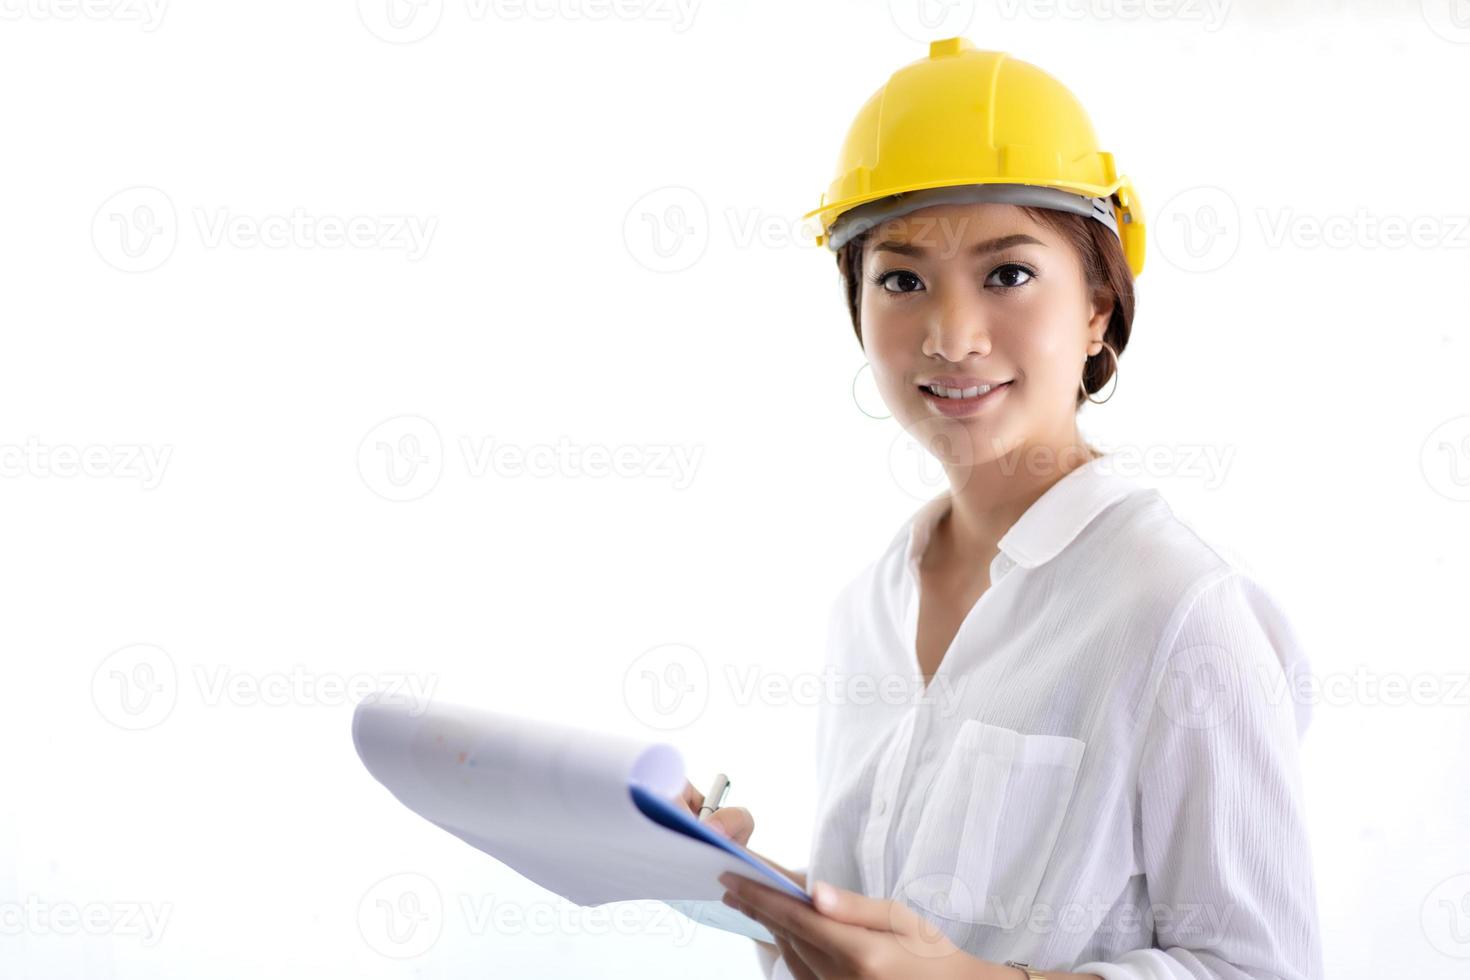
(1297,369)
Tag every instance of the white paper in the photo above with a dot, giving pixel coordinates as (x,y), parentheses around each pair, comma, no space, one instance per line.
(552,802)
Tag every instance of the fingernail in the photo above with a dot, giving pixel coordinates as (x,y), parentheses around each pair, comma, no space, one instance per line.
(823,895)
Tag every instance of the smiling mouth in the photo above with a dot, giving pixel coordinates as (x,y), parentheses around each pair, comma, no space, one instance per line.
(960,394)
(960,403)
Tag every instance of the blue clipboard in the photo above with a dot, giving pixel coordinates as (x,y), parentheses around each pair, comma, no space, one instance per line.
(675,817)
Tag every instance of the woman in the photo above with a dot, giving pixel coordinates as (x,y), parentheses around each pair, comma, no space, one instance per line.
(1096,774)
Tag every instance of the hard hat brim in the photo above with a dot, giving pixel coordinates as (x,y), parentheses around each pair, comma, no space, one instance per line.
(857,220)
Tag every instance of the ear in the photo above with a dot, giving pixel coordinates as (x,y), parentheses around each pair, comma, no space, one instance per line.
(1097,323)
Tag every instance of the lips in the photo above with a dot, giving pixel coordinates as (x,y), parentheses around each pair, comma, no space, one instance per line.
(962,406)
(960,389)
(962,381)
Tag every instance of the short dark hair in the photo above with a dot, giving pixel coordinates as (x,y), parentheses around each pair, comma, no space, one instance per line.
(1103,263)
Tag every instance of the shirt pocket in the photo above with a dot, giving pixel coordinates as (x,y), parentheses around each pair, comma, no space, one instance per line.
(990,824)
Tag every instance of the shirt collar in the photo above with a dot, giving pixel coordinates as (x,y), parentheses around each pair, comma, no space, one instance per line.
(1051,522)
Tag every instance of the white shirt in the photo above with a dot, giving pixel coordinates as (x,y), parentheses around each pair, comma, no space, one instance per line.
(1103,775)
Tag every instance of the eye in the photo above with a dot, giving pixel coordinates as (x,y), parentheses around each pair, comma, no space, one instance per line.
(911,282)
(1008,273)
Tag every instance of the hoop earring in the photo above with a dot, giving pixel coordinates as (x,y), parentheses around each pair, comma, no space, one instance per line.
(855,397)
(1117,370)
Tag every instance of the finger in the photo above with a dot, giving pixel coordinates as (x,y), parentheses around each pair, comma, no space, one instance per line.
(780,911)
(795,959)
(858,909)
(693,798)
(817,960)
(735,822)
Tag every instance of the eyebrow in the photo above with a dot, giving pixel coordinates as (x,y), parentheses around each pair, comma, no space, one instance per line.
(991,245)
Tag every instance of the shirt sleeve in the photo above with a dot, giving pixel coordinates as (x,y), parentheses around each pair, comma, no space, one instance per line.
(1225,848)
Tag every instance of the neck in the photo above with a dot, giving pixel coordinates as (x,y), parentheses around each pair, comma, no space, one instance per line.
(987,498)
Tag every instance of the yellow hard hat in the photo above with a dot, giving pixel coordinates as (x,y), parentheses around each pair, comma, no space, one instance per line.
(965,125)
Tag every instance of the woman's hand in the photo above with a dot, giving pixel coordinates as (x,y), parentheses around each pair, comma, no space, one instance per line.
(737,824)
(734,822)
(849,936)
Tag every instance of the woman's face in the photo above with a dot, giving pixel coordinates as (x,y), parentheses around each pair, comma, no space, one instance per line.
(964,295)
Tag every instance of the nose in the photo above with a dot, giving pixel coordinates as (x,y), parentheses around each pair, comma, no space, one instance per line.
(957,327)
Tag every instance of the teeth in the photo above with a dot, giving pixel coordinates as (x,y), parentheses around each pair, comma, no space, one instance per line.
(958,393)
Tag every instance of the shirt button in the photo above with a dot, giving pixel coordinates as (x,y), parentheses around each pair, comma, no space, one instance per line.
(882,807)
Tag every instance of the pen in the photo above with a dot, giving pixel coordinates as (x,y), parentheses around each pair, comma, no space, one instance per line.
(715,796)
